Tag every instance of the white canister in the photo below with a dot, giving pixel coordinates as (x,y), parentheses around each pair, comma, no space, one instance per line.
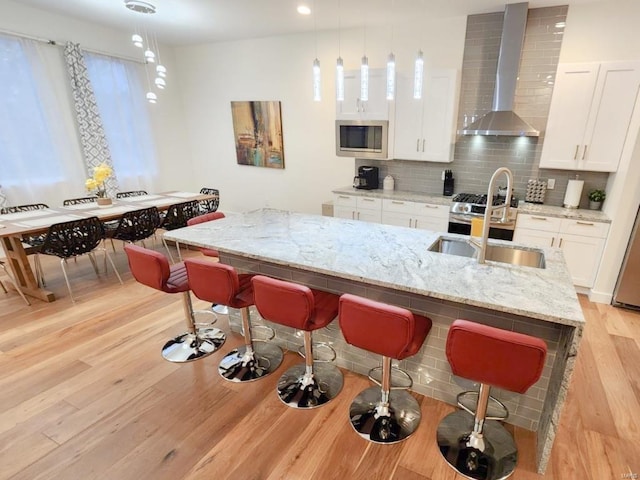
(388,183)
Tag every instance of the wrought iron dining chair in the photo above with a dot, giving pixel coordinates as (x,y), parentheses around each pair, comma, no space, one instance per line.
(135,226)
(131,193)
(79,201)
(177,216)
(31,242)
(75,238)
(211,204)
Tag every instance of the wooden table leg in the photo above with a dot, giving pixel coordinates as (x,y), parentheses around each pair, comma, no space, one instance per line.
(21,268)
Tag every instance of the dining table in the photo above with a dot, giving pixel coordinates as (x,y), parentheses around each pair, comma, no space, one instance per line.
(13,226)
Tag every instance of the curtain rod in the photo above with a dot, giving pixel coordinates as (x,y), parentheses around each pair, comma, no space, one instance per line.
(54,43)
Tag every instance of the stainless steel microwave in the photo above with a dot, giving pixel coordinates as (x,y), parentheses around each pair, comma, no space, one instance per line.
(362,138)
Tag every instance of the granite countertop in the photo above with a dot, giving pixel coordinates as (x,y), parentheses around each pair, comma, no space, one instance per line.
(525,208)
(392,257)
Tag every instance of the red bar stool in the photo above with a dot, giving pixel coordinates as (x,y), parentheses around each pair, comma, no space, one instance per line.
(210,252)
(383,414)
(472,445)
(313,383)
(152,269)
(221,284)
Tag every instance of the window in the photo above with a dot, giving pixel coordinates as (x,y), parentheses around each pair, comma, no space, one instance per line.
(123,108)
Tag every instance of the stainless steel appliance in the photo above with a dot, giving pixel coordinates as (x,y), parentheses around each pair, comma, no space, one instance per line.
(467,206)
(627,292)
(362,138)
(367,178)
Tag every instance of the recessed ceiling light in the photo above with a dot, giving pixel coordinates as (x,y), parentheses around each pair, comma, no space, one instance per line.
(140,6)
(304,10)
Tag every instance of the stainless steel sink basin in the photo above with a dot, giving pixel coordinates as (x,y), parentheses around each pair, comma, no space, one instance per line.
(497,253)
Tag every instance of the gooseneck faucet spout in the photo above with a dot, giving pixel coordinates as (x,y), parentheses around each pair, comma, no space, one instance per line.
(490,210)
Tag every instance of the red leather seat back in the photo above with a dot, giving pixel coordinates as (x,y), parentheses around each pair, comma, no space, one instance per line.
(207,217)
(218,283)
(152,269)
(293,305)
(501,358)
(381,328)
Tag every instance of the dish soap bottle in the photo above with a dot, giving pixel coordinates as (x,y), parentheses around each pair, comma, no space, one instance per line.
(388,183)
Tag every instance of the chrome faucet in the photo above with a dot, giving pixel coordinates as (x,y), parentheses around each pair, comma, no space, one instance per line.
(481,246)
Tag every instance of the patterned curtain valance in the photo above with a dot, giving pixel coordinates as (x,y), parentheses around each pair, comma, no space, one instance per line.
(92,138)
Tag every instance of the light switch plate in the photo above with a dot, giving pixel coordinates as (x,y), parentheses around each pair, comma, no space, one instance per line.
(551,183)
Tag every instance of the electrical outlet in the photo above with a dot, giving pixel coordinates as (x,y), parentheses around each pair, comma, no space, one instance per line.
(551,183)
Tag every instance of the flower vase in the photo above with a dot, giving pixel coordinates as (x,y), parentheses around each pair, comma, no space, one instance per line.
(104,201)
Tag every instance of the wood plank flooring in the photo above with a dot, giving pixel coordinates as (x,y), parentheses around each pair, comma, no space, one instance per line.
(85,394)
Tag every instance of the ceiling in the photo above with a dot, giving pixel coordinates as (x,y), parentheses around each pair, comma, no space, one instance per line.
(185,22)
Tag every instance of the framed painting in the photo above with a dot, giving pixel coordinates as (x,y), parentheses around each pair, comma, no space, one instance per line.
(257,128)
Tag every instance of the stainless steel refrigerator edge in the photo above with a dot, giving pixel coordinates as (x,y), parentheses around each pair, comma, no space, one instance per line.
(627,292)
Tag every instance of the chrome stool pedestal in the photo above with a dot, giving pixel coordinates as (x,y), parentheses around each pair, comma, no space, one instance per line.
(485,451)
(201,339)
(251,361)
(383,415)
(312,384)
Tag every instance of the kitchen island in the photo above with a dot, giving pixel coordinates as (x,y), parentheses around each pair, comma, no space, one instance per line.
(393,264)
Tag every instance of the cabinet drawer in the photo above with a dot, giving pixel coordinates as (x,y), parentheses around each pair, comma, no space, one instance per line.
(369,203)
(585,228)
(430,210)
(539,222)
(344,200)
(397,206)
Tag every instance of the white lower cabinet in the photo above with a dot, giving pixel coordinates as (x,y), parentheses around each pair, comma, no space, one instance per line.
(582,242)
(424,216)
(355,207)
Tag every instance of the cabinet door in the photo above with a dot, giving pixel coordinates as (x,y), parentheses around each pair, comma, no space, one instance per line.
(373,216)
(570,105)
(535,238)
(397,219)
(340,211)
(438,115)
(408,126)
(582,255)
(615,97)
(376,108)
(435,224)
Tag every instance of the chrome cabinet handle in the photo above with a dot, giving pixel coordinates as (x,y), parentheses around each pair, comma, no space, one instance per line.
(358,215)
(538,218)
(395,202)
(417,145)
(430,206)
(368,200)
(584,152)
(575,155)
(560,244)
(585,223)
(553,239)
(415,223)
(423,144)
(343,196)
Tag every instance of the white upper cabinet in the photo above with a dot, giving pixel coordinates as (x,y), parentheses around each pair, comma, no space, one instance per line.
(589,117)
(425,129)
(353,107)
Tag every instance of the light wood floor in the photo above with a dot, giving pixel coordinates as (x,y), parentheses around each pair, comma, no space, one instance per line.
(84,394)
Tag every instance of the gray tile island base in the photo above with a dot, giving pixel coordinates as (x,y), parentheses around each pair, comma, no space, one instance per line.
(392,264)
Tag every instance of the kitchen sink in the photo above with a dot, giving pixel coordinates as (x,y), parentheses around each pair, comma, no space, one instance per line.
(525,257)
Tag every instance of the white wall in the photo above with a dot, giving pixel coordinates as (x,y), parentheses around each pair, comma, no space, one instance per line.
(166,116)
(279,68)
(607,31)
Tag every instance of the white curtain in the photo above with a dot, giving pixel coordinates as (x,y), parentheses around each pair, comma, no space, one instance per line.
(123,109)
(39,155)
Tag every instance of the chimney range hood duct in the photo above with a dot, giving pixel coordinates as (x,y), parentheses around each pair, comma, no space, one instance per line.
(502,120)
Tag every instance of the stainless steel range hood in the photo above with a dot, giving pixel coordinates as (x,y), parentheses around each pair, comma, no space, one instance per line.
(502,120)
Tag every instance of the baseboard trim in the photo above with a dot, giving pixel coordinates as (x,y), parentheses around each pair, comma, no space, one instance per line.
(600,297)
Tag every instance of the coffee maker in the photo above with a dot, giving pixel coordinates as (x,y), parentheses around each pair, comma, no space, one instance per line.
(367,178)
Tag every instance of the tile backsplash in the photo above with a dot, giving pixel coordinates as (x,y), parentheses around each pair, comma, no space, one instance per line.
(477,157)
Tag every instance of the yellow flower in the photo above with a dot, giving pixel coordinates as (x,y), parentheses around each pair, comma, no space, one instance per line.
(102,172)
(91,184)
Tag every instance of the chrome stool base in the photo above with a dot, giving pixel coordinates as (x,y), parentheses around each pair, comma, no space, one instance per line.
(496,461)
(189,347)
(400,380)
(299,390)
(240,366)
(380,423)
(220,309)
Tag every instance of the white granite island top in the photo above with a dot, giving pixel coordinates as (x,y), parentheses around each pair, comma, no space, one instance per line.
(393,257)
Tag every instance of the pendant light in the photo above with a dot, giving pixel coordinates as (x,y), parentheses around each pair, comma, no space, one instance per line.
(339,65)
(418,75)
(317,85)
(364,71)
(391,65)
